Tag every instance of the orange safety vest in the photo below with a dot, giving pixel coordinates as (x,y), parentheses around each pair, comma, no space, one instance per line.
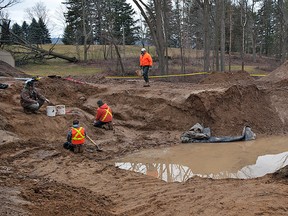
(78,136)
(104,113)
(108,115)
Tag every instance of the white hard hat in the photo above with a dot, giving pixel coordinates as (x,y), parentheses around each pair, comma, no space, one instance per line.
(143,50)
(29,82)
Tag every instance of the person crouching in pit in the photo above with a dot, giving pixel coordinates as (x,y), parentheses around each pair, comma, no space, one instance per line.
(75,138)
(104,116)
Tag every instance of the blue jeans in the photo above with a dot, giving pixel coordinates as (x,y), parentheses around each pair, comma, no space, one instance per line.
(145,73)
(99,123)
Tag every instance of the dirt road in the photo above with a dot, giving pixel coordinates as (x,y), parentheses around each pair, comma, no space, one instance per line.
(39,177)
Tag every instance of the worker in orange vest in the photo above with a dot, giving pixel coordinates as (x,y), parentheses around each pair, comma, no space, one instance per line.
(75,138)
(145,64)
(104,116)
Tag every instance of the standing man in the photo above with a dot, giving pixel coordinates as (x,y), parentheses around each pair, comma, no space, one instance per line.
(145,63)
(104,117)
(75,138)
(31,100)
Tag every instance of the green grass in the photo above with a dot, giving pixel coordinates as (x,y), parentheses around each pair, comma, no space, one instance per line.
(97,51)
(59,68)
(96,54)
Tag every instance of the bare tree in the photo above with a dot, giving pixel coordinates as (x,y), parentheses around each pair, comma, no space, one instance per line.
(205,4)
(8,3)
(244,9)
(222,35)
(180,29)
(216,36)
(86,32)
(284,26)
(155,22)
(59,21)
(38,11)
(230,35)
(254,29)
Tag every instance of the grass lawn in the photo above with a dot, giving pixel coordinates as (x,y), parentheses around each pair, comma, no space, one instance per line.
(96,53)
(59,68)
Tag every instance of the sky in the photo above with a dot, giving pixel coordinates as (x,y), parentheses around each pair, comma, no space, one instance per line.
(55,9)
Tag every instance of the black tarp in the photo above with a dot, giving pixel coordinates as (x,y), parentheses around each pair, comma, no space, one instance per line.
(199,134)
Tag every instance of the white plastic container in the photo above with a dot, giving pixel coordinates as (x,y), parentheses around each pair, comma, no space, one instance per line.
(51,111)
(60,110)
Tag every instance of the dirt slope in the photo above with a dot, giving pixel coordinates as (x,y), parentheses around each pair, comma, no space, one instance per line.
(39,177)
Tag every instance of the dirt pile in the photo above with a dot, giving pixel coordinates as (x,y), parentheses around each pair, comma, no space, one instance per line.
(46,179)
(227,77)
(7,70)
(278,74)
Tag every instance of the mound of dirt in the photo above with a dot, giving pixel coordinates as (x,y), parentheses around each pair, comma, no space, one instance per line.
(7,70)
(37,172)
(278,74)
(227,77)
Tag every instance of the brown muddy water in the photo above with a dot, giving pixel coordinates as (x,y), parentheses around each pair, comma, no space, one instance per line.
(247,159)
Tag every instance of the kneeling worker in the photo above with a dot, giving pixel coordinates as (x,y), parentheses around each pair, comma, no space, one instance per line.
(31,100)
(75,138)
(104,116)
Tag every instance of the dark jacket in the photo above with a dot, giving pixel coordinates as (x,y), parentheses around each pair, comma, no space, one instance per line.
(30,96)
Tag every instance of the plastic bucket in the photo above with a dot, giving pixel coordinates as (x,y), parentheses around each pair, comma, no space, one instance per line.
(51,110)
(60,109)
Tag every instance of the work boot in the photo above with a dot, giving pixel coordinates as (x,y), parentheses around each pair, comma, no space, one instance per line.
(27,111)
(105,126)
(75,148)
(30,111)
(146,84)
(81,148)
(110,125)
(78,148)
(35,111)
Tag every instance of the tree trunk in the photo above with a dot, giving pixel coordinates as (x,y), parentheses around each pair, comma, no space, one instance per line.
(222,57)
(283,33)
(119,58)
(230,37)
(206,36)
(243,5)
(217,34)
(24,43)
(155,24)
(85,49)
(165,20)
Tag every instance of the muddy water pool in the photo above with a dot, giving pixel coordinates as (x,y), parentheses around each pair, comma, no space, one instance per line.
(246,159)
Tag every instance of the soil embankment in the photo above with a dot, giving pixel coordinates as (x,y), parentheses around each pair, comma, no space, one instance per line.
(39,177)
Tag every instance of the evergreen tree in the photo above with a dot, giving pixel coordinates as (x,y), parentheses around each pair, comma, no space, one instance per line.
(68,36)
(266,24)
(34,35)
(122,17)
(44,34)
(25,30)
(99,22)
(169,21)
(101,17)
(74,21)
(17,30)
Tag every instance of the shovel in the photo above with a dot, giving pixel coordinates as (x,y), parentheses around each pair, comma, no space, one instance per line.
(97,147)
